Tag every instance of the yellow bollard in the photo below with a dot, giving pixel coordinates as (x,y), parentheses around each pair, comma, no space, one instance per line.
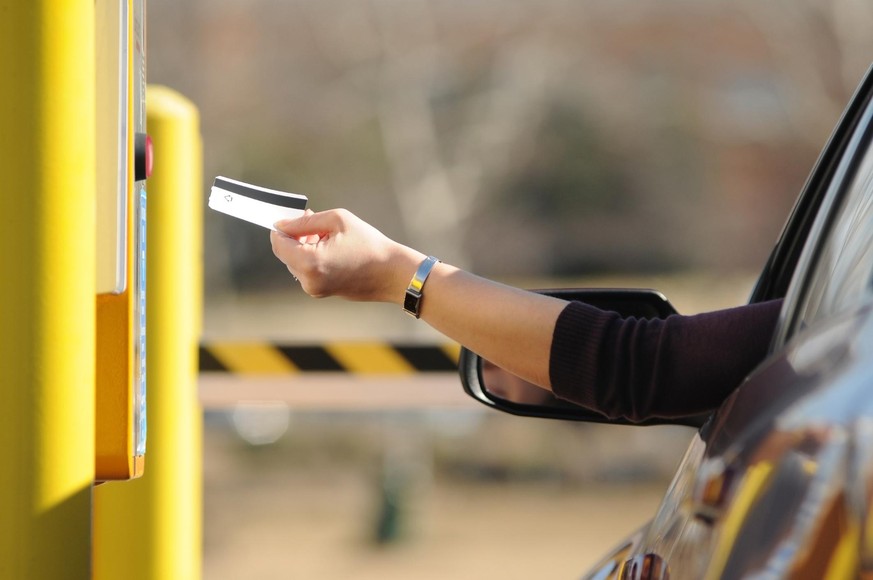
(47,286)
(151,528)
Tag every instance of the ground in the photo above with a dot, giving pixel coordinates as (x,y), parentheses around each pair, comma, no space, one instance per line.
(319,517)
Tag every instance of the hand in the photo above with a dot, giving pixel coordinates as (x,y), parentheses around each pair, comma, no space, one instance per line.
(335,253)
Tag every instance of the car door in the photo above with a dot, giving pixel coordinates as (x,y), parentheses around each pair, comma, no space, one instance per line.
(778,482)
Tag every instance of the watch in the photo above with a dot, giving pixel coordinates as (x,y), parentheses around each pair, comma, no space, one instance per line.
(412,300)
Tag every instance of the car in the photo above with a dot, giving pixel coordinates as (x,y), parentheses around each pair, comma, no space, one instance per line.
(778,481)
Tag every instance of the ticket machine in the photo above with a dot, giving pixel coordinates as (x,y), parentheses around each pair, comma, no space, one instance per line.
(123,163)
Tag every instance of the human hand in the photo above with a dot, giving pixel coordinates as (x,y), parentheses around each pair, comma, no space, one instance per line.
(335,253)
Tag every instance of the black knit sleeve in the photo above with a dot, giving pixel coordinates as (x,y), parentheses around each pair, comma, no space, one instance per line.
(639,369)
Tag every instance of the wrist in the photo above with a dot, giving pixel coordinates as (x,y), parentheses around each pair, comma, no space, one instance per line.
(415,290)
(403,265)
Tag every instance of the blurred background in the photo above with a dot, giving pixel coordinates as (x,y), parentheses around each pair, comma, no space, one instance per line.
(541,143)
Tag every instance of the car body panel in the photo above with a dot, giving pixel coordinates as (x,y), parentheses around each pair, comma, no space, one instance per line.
(776,484)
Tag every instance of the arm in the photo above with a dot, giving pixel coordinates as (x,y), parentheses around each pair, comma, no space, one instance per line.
(678,366)
(343,256)
(620,367)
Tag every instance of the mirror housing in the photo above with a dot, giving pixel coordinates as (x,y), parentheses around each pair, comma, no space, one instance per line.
(639,303)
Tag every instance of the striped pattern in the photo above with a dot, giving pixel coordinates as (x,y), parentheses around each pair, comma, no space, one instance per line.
(262,358)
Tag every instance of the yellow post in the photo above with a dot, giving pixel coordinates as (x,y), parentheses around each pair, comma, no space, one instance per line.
(150,528)
(47,286)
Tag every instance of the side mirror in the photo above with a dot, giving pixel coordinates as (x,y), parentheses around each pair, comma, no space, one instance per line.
(501,390)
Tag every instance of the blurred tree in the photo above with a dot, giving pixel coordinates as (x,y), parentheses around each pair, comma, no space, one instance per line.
(820,48)
(568,168)
(702,118)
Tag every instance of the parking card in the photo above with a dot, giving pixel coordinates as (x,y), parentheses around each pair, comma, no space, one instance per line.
(255,204)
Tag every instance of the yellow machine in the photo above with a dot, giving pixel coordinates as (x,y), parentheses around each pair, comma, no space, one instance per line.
(123,163)
(74,157)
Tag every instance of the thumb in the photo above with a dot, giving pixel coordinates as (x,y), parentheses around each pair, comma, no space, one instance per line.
(319,224)
(295,227)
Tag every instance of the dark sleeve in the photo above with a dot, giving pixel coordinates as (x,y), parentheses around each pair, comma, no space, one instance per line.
(638,369)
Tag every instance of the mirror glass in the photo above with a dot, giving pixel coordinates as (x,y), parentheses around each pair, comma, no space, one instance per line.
(500,389)
(500,384)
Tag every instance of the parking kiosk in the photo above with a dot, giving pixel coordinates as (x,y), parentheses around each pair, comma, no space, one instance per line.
(123,163)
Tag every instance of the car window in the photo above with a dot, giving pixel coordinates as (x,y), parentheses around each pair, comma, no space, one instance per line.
(843,272)
(839,272)
(783,262)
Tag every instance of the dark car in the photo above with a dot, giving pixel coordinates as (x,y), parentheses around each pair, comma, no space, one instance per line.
(778,482)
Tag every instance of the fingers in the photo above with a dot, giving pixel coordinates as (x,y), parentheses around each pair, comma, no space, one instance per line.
(280,244)
(293,227)
(313,224)
(294,237)
(296,257)
(312,238)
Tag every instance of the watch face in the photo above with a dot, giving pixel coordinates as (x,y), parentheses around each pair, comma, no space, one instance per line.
(412,302)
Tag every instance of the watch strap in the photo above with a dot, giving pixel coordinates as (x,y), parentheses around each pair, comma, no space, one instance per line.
(414,292)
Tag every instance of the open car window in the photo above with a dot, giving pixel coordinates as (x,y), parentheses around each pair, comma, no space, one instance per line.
(834,270)
(841,277)
(783,263)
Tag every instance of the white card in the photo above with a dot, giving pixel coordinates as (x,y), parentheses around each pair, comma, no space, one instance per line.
(253,203)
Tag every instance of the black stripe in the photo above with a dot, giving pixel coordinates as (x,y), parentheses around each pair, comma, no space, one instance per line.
(209,363)
(261,194)
(317,359)
(427,358)
(310,358)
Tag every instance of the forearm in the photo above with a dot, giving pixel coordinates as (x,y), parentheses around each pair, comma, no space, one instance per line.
(510,327)
(674,367)
(342,256)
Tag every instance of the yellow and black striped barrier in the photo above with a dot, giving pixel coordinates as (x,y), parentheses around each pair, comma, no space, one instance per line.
(263,358)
